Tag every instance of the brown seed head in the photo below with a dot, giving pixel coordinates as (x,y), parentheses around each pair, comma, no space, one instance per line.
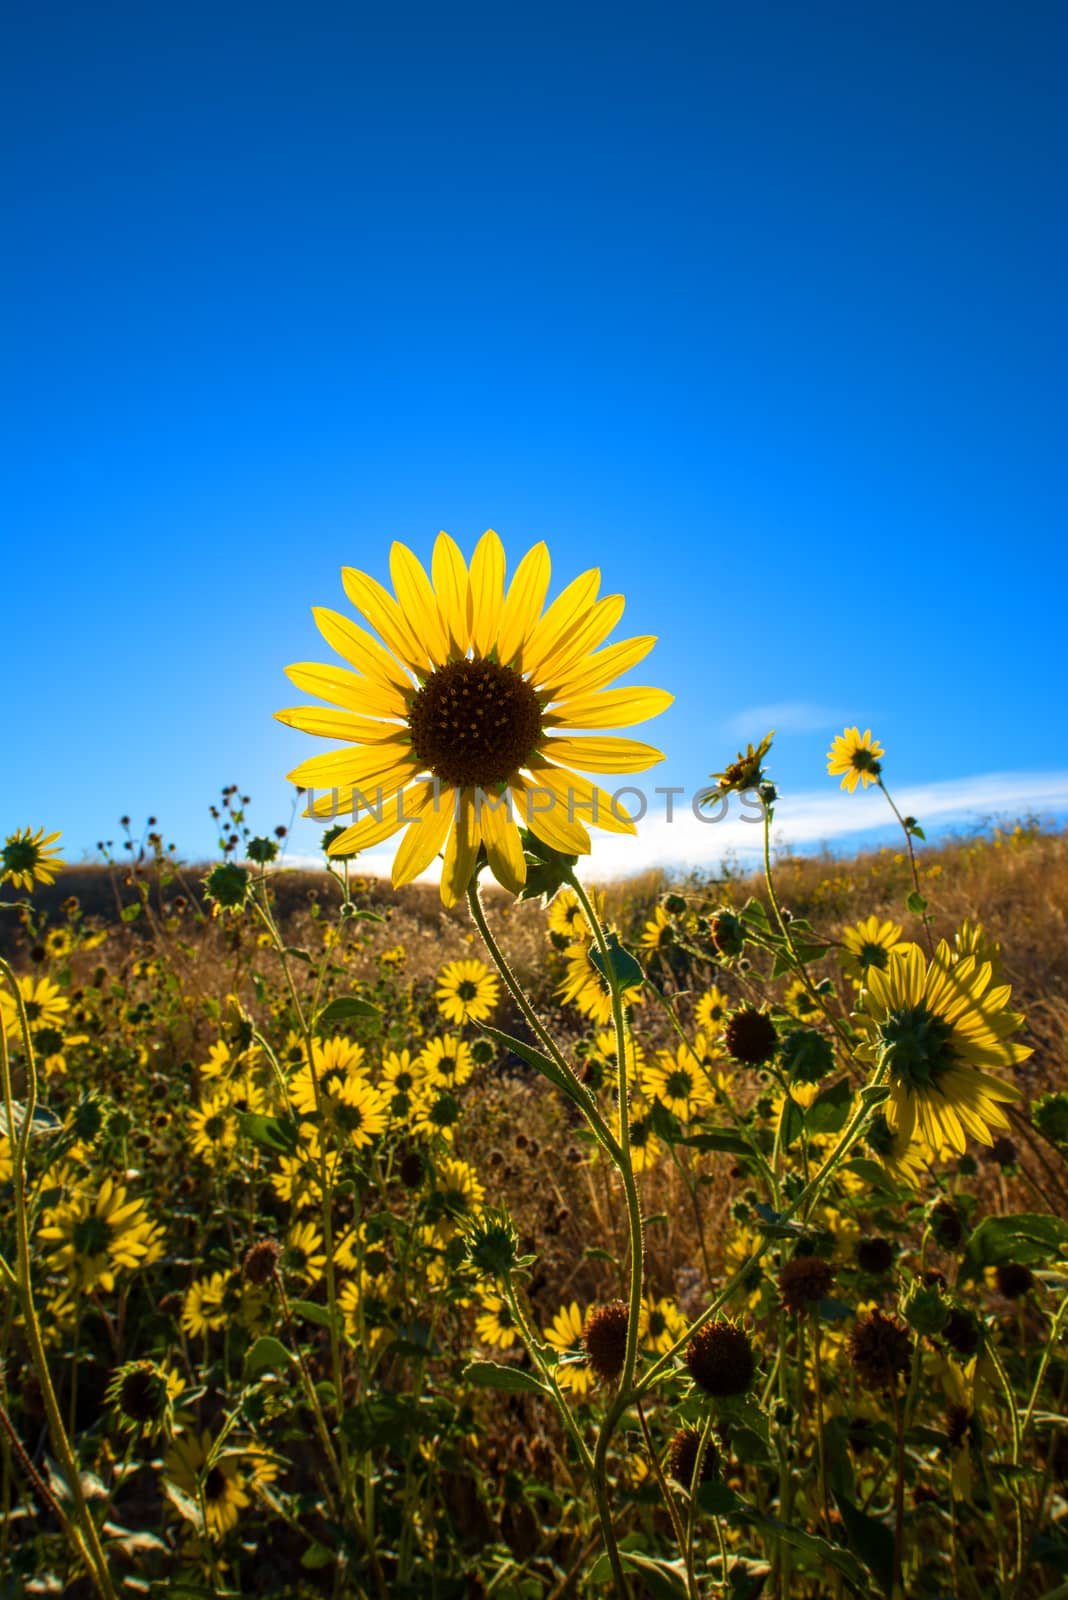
(720,1358)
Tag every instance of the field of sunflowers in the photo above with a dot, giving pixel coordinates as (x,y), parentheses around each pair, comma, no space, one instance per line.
(529,1238)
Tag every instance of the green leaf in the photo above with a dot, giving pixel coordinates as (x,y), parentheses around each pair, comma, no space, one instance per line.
(273,1133)
(316,1556)
(347,1007)
(540,1062)
(870,1539)
(619,968)
(130,913)
(915,829)
(829,1112)
(870,1172)
(717,1499)
(663,1579)
(492,1375)
(916,903)
(267,1353)
(1024,1239)
(308,1311)
(822,1552)
(791,1121)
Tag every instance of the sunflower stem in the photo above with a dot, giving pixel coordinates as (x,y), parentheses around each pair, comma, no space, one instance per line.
(88,1547)
(912,863)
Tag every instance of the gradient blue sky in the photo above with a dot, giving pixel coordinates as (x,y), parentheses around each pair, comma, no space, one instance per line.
(757,306)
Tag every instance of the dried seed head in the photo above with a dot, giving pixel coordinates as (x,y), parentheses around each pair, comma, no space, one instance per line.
(750,1036)
(261,1260)
(720,1358)
(804,1282)
(605,1339)
(875,1255)
(962,1331)
(880,1348)
(944,1221)
(1013,1279)
(682,1457)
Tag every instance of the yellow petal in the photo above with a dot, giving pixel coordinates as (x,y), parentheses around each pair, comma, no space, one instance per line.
(347,689)
(524,600)
(487,591)
(357,646)
(582,800)
(353,767)
(547,818)
(343,800)
(577,643)
(330,724)
(449,572)
(417,601)
(610,708)
(503,845)
(371,830)
(602,668)
(567,611)
(426,835)
(376,603)
(461,852)
(602,755)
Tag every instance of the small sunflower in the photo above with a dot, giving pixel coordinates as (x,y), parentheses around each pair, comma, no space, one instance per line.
(204,1308)
(662,1324)
(678,1081)
(585,988)
(869,944)
(92,1236)
(222,1484)
(495,1325)
(855,757)
(45,1004)
(334,1063)
(711,1011)
(26,858)
(213,1130)
(939,1027)
(467,991)
(470,712)
(304,1256)
(446,1061)
(659,931)
(359,1111)
(564,1335)
(566,917)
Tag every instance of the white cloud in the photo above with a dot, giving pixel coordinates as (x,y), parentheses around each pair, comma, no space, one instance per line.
(804,818)
(788,716)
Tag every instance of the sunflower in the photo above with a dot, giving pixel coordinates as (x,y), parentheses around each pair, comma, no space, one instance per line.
(446,1060)
(495,1325)
(939,1026)
(645,1147)
(856,756)
(222,1484)
(44,1003)
(567,919)
(26,858)
(204,1308)
(662,1323)
(584,987)
(213,1129)
(467,991)
(360,1111)
(711,1011)
(867,945)
(90,1237)
(334,1062)
(564,1335)
(659,931)
(678,1081)
(470,713)
(304,1256)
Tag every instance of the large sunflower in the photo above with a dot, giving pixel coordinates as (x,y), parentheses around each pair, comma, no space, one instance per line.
(467,715)
(938,1026)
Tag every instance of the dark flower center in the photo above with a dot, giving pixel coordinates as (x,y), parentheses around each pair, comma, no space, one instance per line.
(90,1236)
(215,1485)
(917,1046)
(474,722)
(467,990)
(678,1084)
(874,955)
(19,855)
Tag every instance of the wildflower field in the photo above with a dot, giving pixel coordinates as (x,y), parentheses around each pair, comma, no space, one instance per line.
(527,1237)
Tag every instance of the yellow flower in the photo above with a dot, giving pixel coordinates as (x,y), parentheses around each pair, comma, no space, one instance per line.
(203,1308)
(645,1147)
(334,1063)
(659,931)
(59,943)
(566,916)
(584,987)
(44,1001)
(711,1011)
(26,858)
(867,945)
(360,1111)
(662,1323)
(679,1081)
(223,1485)
(495,1324)
(446,1060)
(857,757)
(91,1236)
(471,713)
(938,1027)
(304,1255)
(213,1129)
(467,991)
(564,1335)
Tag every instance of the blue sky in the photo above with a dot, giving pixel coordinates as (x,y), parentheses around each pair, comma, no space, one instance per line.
(757,307)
